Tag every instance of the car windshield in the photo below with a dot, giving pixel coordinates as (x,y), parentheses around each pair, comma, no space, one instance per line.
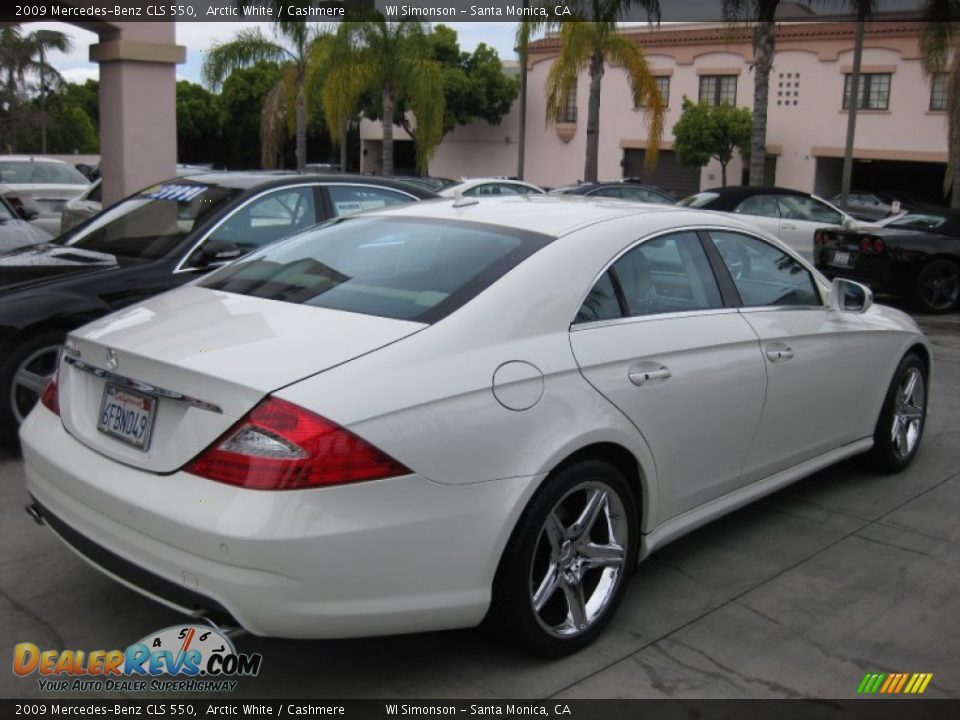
(150,224)
(37,172)
(402,268)
(699,200)
(918,221)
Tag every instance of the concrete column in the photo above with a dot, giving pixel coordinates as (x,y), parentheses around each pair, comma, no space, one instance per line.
(138,116)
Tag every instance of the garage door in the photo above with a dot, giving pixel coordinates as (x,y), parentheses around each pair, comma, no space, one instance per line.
(670,174)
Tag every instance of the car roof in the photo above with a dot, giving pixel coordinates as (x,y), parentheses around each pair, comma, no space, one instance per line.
(554,215)
(730,196)
(32,158)
(263,178)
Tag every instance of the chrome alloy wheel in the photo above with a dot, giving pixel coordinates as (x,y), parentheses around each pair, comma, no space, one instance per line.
(578,563)
(30,378)
(940,285)
(908,413)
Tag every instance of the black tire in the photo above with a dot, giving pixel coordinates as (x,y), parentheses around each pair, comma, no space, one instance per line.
(31,351)
(938,287)
(530,553)
(894,450)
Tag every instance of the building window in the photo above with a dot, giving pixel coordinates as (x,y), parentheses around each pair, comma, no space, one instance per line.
(663,86)
(718,89)
(874,91)
(568,109)
(938,91)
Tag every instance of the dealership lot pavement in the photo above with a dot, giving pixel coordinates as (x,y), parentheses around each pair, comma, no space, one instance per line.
(799,595)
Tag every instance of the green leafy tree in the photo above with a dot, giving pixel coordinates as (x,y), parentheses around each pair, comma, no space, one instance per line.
(940,49)
(393,62)
(198,123)
(590,40)
(292,50)
(242,90)
(711,131)
(70,129)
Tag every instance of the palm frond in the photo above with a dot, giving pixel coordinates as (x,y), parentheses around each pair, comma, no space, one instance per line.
(577,38)
(248,47)
(643,84)
(424,86)
(273,125)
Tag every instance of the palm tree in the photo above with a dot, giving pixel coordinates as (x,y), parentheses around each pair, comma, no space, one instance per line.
(523,46)
(22,57)
(589,41)
(293,50)
(762,14)
(392,61)
(940,49)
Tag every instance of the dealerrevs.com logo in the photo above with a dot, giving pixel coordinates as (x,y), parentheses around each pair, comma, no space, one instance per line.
(182,658)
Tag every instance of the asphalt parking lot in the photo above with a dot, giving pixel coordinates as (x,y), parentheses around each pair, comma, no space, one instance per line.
(798,595)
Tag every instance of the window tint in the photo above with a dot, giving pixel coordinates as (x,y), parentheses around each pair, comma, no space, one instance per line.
(351,199)
(765,205)
(763,274)
(601,303)
(607,192)
(269,218)
(403,268)
(667,274)
(800,207)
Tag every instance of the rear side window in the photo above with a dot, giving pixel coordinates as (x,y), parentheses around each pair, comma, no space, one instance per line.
(763,205)
(403,268)
(351,199)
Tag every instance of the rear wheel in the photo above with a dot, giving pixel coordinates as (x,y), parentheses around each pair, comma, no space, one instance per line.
(23,373)
(902,419)
(566,567)
(938,287)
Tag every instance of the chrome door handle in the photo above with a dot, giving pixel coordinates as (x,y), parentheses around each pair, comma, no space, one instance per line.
(775,353)
(786,226)
(645,372)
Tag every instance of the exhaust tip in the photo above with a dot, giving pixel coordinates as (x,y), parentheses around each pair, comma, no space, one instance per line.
(229,629)
(34,512)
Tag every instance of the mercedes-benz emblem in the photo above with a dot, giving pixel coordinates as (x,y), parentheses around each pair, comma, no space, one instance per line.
(113,362)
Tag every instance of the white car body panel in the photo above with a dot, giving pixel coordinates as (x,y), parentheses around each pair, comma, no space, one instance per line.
(419,552)
(463,187)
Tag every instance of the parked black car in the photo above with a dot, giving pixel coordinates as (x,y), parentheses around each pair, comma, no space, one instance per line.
(159,238)
(15,232)
(622,189)
(915,257)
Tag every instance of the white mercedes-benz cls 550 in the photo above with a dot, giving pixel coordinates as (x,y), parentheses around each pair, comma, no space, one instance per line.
(460,412)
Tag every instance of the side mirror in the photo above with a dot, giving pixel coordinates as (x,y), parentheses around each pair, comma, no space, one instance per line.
(215,252)
(27,213)
(849,222)
(849,296)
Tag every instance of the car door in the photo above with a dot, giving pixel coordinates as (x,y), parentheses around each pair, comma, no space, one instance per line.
(814,356)
(800,217)
(656,337)
(762,211)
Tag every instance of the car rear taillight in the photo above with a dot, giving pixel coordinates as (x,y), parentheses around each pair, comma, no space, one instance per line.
(50,396)
(279,446)
(820,237)
(871,245)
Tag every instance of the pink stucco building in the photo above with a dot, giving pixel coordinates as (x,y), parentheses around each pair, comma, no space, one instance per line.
(901,140)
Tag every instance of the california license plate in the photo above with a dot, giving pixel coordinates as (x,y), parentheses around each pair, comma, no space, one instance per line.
(127,415)
(841,258)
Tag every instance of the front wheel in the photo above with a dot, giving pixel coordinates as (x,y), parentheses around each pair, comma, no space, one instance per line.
(566,566)
(899,429)
(938,287)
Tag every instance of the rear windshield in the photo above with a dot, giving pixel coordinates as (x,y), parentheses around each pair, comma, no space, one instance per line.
(402,268)
(918,221)
(152,223)
(30,172)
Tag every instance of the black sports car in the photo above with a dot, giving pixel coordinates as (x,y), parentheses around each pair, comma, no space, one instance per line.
(159,238)
(915,257)
(623,189)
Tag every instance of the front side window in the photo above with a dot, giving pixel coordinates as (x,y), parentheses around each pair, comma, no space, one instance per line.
(763,205)
(269,218)
(402,268)
(801,207)
(874,91)
(938,92)
(718,89)
(763,274)
(351,199)
(666,274)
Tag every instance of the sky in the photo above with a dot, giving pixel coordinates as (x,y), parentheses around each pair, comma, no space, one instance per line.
(199,36)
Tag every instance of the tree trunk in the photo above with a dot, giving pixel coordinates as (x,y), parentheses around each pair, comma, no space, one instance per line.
(723,174)
(522,140)
(387,129)
(344,134)
(847,176)
(955,191)
(301,123)
(593,118)
(763,49)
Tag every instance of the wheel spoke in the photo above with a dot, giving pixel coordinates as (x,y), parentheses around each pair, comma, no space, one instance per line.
(595,556)
(576,605)
(556,533)
(907,394)
(596,502)
(30,380)
(548,586)
(911,412)
(895,431)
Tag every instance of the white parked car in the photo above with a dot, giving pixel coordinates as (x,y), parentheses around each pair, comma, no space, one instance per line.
(484,187)
(43,184)
(790,215)
(435,415)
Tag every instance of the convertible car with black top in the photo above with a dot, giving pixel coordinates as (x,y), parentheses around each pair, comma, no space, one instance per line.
(155,240)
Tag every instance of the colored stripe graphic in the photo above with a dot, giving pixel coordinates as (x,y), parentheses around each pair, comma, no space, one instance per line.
(894,683)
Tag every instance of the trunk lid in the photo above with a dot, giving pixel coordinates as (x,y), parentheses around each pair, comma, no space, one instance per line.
(223,352)
(50,198)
